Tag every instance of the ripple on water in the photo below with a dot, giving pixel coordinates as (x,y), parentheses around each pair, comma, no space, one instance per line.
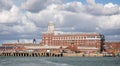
(59,61)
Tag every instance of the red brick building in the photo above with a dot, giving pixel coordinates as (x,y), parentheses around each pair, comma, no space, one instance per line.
(112,46)
(55,38)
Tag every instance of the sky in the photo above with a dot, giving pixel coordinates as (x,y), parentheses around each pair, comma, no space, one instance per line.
(24,20)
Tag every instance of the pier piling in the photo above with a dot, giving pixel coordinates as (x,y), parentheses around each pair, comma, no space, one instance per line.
(33,54)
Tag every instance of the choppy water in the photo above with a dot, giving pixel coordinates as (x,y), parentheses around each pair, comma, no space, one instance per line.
(59,61)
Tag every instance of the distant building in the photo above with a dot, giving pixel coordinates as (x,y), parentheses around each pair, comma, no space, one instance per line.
(112,46)
(7,49)
(57,38)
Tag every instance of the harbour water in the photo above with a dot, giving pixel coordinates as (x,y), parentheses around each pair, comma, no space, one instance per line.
(59,61)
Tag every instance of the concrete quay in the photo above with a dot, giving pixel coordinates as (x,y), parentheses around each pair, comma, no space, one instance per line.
(88,55)
(82,55)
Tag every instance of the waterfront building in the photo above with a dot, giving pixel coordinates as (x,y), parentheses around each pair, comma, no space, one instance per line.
(58,38)
(7,49)
(112,47)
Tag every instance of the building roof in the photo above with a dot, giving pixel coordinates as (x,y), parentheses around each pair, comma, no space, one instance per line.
(87,48)
(44,47)
(23,44)
(62,33)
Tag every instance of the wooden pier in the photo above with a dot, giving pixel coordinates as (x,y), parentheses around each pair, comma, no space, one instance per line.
(33,54)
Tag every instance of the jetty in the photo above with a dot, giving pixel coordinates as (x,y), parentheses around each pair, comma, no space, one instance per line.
(32,54)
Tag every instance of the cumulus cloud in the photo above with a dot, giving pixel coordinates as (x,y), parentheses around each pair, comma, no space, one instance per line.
(11,15)
(38,5)
(72,7)
(100,9)
(109,22)
(15,24)
(31,18)
(5,4)
(90,2)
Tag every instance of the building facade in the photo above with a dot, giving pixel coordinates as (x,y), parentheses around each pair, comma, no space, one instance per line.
(55,38)
(112,47)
